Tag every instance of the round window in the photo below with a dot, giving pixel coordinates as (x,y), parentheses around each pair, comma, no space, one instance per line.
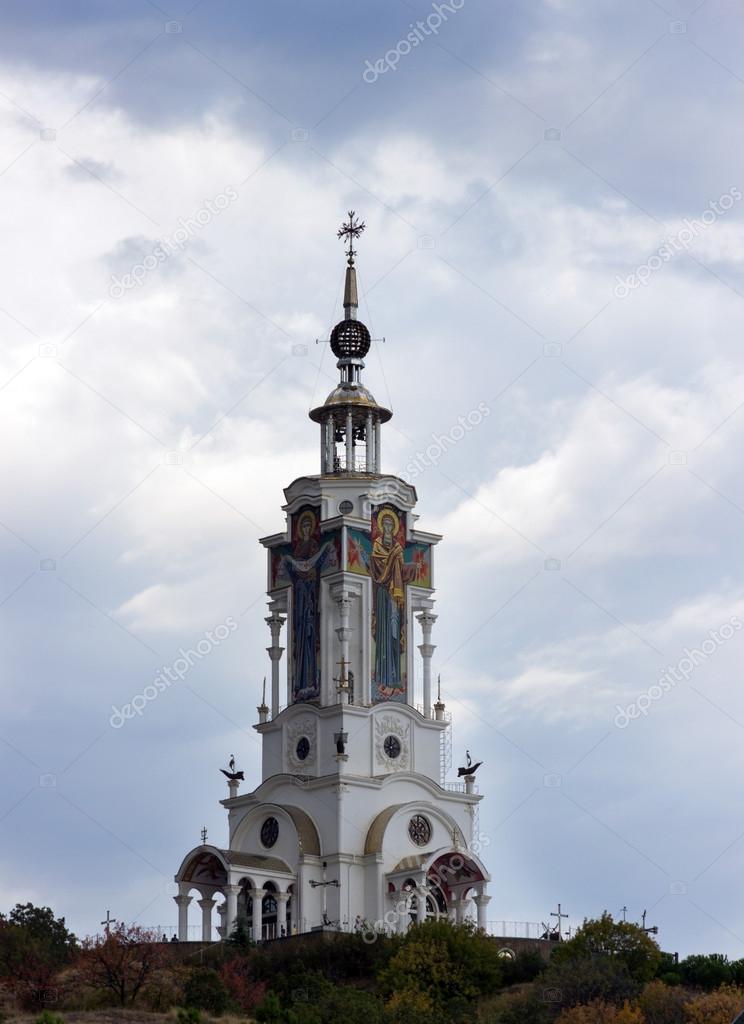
(303,748)
(419,830)
(269,832)
(346,507)
(391,746)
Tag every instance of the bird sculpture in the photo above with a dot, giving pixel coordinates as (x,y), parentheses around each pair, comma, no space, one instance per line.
(471,768)
(230,772)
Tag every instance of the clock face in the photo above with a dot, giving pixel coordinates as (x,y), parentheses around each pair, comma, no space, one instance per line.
(303,748)
(269,832)
(419,830)
(391,746)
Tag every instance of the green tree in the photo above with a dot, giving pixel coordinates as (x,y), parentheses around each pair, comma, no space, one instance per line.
(34,947)
(205,990)
(707,972)
(620,941)
(451,965)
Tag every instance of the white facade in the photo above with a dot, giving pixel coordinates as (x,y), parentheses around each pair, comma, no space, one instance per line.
(351,825)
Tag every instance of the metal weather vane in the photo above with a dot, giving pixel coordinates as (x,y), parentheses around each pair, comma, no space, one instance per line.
(350,230)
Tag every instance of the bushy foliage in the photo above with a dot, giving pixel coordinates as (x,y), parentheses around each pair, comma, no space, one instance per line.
(718,1007)
(188,1015)
(622,941)
(602,1013)
(246,992)
(526,966)
(664,1004)
(34,947)
(205,990)
(569,983)
(123,962)
(706,972)
(47,1017)
(452,965)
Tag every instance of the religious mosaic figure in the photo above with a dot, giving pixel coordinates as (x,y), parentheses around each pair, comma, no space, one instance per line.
(303,568)
(389,574)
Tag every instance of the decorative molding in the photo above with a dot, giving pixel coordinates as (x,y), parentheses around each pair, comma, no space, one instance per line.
(304,725)
(392,725)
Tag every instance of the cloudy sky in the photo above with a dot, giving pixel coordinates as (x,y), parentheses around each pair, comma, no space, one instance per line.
(554,200)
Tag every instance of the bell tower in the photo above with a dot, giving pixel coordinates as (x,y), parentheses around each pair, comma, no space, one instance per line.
(353,820)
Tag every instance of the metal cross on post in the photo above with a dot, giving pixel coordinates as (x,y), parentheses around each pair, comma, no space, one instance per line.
(107,923)
(624,911)
(560,917)
(325,883)
(349,231)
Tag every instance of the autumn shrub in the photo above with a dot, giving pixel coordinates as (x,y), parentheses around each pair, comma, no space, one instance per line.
(601,1013)
(719,1007)
(664,1004)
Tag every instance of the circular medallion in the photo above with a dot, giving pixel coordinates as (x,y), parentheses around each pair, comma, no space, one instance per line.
(269,832)
(346,507)
(391,746)
(303,748)
(419,830)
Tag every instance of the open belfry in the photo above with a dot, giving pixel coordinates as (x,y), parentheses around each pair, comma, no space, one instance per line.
(352,825)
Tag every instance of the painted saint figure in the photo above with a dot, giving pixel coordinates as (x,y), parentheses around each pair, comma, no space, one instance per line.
(303,568)
(389,575)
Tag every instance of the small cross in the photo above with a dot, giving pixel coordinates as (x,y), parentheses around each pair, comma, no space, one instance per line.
(204,835)
(349,231)
(108,922)
(560,917)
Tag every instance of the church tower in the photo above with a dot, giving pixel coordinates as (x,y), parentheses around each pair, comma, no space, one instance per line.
(353,824)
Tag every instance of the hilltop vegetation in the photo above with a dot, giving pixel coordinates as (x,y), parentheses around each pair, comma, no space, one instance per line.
(610,972)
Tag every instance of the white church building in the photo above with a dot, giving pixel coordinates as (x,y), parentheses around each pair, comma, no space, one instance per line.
(352,825)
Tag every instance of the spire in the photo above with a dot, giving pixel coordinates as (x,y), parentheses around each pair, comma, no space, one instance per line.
(349,231)
(350,417)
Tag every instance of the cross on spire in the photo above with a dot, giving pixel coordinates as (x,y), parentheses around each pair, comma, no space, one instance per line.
(350,230)
(204,835)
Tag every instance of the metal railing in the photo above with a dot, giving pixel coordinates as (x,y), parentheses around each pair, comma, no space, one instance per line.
(515,929)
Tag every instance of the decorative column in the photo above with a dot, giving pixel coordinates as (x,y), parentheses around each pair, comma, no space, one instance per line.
(427,648)
(481,903)
(331,442)
(282,899)
(421,894)
(221,926)
(182,902)
(377,446)
(275,621)
(453,909)
(369,439)
(349,441)
(258,898)
(460,909)
(343,600)
(206,905)
(394,917)
(231,913)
